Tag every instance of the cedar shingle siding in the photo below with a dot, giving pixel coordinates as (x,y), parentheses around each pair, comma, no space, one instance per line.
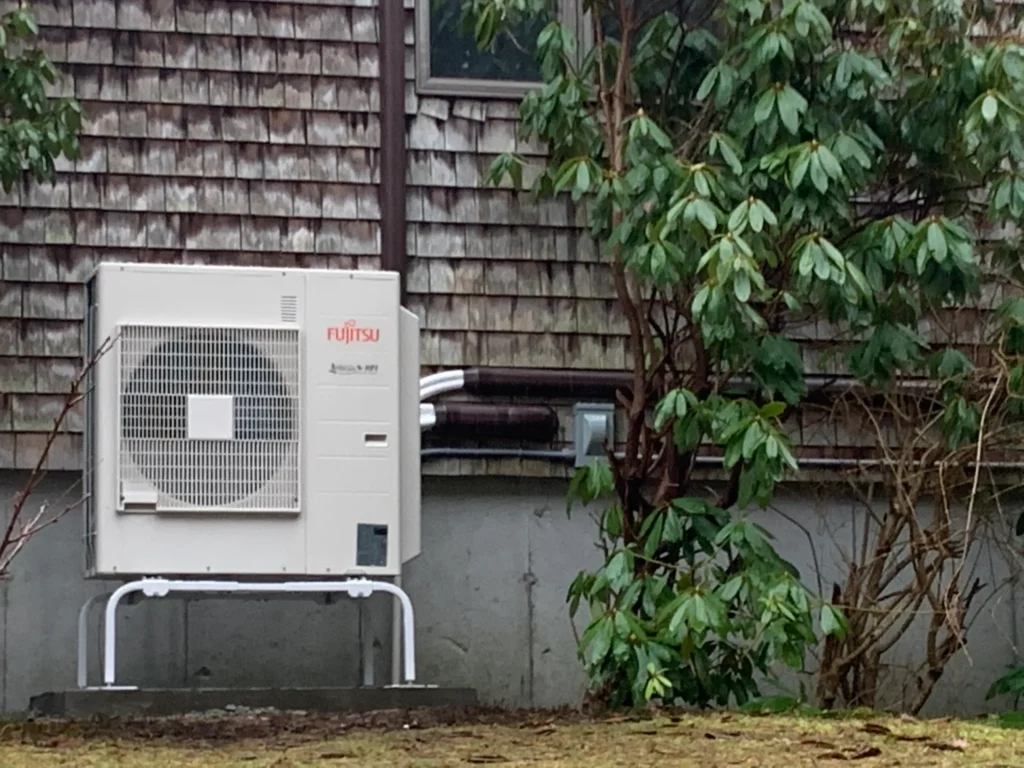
(248,133)
(222,132)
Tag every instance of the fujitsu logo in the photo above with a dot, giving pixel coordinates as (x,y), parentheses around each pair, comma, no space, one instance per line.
(350,333)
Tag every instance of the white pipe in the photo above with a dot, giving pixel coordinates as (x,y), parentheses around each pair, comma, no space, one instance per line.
(162,587)
(428,416)
(438,383)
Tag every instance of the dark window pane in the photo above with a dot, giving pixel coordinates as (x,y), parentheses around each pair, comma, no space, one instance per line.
(691,11)
(453,53)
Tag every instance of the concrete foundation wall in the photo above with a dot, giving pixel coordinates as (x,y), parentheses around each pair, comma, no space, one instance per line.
(489,592)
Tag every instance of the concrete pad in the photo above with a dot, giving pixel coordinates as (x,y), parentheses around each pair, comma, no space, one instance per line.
(166,702)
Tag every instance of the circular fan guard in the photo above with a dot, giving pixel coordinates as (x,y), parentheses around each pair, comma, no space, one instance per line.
(208,473)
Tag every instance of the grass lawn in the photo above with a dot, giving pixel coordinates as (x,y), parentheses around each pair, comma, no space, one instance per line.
(530,739)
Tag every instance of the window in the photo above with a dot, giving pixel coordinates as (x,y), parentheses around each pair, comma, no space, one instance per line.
(449,63)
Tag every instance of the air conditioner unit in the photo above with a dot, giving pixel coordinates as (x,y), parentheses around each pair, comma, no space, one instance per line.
(250,422)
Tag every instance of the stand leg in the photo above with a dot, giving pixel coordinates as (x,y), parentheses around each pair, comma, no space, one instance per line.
(83,638)
(398,638)
(369,657)
(408,636)
(150,588)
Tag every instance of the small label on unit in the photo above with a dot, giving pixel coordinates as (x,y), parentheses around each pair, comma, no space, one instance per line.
(349,369)
(371,545)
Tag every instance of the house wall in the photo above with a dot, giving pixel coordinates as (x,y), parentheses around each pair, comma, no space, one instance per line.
(488,590)
(216,132)
(248,133)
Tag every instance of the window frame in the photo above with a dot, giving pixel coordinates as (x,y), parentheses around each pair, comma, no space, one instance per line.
(570,14)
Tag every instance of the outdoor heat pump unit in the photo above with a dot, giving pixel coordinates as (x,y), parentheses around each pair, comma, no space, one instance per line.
(250,422)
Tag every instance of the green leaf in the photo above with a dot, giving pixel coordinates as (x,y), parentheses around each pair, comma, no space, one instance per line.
(937,242)
(602,641)
(666,409)
(731,588)
(566,174)
(829,162)
(791,104)
(832,252)
(705,214)
(730,157)
(799,167)
(707,84)
(1011,683)
(673,530)
(654,536)
(1013,65)
(833,622)
(756,216)
(738,218)
(751,439)
(989,108)
(741,287)
(818,176)
(772,410)
(764,105)
(582,185)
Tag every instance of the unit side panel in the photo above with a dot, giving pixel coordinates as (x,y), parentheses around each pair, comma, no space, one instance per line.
(352,425)
(410,410)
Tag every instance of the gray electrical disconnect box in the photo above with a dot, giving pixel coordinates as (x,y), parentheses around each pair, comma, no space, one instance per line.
(594,425)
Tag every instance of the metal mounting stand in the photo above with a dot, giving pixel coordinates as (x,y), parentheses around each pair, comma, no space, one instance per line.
(83,638)
(159,587)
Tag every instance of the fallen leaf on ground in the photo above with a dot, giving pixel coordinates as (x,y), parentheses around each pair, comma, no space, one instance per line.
(877,729)
(866,753)
(957,745)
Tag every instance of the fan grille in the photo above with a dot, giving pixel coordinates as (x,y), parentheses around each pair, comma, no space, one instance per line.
(160,367)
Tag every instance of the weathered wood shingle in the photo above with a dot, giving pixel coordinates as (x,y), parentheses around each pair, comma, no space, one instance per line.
(216,132)
(497,278)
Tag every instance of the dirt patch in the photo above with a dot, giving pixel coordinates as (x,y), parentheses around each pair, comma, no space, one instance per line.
(396,739)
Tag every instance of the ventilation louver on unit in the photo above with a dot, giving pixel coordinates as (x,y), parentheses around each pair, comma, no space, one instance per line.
(209,418)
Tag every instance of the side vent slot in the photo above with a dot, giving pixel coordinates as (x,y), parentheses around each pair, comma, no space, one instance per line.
(289,309)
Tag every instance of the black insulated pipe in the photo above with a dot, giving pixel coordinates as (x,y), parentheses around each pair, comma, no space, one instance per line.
(544,382)
(569,383)
(514,422)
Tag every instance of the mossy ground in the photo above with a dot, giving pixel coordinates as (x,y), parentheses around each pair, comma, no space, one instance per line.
(515,740)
